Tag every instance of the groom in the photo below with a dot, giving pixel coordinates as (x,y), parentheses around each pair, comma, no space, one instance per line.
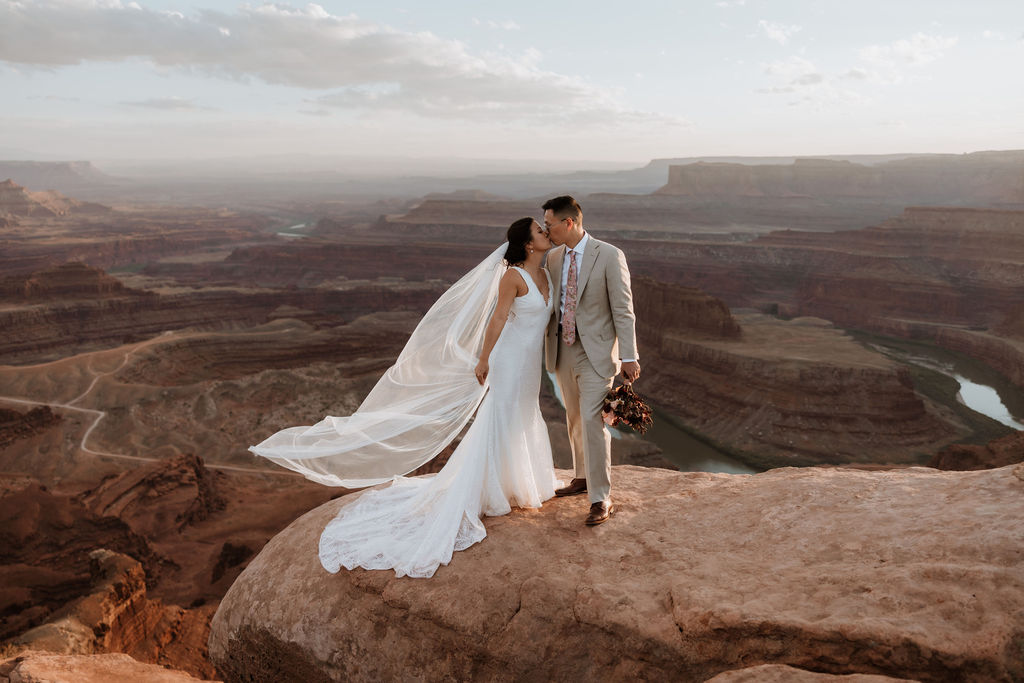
(590,334)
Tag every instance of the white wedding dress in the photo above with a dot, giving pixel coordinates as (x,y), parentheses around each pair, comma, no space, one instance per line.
(504,460)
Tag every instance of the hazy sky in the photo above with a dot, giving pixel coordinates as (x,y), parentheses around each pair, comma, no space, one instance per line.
(629,81)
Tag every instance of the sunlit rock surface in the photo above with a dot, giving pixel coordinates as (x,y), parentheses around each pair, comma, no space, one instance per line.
(912,573)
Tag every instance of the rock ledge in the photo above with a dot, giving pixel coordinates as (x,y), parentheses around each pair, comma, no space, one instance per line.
(912,573)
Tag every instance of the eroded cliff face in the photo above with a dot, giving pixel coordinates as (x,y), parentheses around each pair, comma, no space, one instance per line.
(17,426)
(947,179)
(42,667)
(15,200)
(671,588)
(952,276)
(137,562)
(663,309)
(794,392)
(71,280)
(998,453)
(40,331)
(116,615)
(45,541)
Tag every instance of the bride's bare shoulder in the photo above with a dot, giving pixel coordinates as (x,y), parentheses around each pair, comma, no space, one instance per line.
(513,277)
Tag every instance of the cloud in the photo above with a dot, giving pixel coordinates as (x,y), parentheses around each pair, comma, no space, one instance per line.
(169,104)
(799,78)
(364,64)
(791,68)
(54,98)
(507,24)
(731,3)
(856,74)
(780,33)
(918,50)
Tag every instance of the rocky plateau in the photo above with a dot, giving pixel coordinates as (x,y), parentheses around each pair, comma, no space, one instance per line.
(145,347)
(824,570)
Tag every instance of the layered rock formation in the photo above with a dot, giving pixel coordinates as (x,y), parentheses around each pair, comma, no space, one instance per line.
(15,200)
(117,616)
(662,309)
(125,237)
(15,425)
(45,541)
(791,393)
(999,453)
(951,276)
(87,318)
(780,673)
(39,667)
(65,176)
(310,263)
(187,491)
(674,589)
(69,281)
(180,534)
(614,216)
(947,179)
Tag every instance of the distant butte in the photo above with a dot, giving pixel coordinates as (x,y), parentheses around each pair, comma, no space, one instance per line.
(15,200)
(980,177)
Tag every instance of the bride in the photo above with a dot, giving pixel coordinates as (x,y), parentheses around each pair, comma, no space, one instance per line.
(462,358)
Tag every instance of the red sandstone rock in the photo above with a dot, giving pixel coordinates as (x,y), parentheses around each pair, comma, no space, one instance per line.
(46,331)
(794,392)
(39,667)
(17,201)
(946,275)
(777,673)
(15,425)
(971,178)
(186,490)
(999,453)
(61,175)
(830,570)
(45,541)
(117,616)
(663,308)
(66,282)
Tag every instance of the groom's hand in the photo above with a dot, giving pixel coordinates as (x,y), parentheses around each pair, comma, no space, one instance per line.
(631,371)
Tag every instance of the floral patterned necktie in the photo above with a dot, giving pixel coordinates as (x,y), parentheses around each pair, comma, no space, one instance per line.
(569,316)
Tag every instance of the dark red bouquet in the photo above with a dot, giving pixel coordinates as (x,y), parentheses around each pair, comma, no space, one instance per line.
(623,405)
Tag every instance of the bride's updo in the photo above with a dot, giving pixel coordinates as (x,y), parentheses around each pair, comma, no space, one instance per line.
(519,235)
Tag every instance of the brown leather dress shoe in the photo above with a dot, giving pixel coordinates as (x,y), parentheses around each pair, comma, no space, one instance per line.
(576,486)
(600,512)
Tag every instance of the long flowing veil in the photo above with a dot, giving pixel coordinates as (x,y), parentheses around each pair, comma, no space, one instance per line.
(420,404)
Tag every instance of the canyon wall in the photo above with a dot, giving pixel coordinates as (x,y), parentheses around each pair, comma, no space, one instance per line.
(16,200)
(674,590)
(947,275)
(779,393)
(996,178)
(43,331)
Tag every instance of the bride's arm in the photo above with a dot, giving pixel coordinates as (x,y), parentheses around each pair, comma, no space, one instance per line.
(510,286)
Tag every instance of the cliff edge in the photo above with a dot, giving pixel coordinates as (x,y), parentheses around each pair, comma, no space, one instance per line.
(913,573)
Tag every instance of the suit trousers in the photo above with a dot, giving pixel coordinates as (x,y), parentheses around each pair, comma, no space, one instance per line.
(583,392)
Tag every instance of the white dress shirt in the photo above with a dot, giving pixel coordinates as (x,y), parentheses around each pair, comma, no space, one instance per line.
(566,260)
(580,246)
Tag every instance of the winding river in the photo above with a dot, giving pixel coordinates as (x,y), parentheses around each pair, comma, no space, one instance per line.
(677,445)
(982,389)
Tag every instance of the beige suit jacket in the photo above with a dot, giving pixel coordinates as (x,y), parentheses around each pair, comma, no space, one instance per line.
(605,324)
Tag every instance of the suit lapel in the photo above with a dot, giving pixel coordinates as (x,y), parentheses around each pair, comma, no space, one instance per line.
(589,259)
(555,269)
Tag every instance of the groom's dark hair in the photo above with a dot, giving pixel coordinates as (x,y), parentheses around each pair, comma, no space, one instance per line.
(565,207)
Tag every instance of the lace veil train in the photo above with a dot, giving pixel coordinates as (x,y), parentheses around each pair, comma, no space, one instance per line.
(420,404)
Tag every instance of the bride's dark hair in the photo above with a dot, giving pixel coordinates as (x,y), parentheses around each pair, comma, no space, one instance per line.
(519,235)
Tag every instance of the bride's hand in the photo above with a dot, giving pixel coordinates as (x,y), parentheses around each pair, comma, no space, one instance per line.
(482,368)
